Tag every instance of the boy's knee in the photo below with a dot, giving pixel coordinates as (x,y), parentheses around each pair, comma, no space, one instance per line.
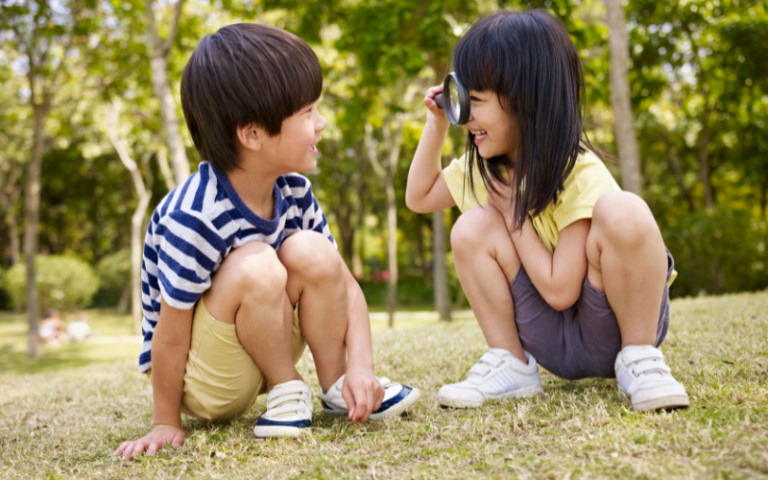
(257,268)
(311,255)
(473,226)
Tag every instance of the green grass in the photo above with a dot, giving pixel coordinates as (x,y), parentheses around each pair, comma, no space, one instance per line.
(717,346)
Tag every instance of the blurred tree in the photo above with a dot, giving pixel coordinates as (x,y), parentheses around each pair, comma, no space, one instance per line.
(629,156)
(52,39)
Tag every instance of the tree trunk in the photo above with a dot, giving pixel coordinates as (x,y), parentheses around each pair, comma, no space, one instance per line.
(391,251)
(675,166)
(165,171)
(13,232)
(439,270)
(763,197)
(32,217)
(137,222)
(179,161)
(629,156)
(709,199)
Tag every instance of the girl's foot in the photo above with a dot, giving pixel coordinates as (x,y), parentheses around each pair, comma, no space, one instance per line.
(397,399)
(497,375)
(289,411)
(648,382)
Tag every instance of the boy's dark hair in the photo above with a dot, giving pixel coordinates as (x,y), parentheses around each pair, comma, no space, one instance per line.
(245,73)
(530,62)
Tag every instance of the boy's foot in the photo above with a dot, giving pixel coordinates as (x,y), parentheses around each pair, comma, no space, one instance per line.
(397,399)
(643,376)
(497,375)
(289,411)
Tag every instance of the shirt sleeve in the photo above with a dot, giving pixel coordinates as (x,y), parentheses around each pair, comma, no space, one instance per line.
(589,181)
(188,247)
(312,216)
(455,175)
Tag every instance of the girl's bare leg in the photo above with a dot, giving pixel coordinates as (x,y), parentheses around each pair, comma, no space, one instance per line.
(487,263)
(628,261)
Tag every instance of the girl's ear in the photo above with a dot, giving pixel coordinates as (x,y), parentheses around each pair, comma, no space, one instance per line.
(251,137)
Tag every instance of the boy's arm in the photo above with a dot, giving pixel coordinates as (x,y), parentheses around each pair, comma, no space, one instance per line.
(426,190)
(170,346)
(362,392)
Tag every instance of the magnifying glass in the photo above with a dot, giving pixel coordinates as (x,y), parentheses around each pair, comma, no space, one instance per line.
(458,100)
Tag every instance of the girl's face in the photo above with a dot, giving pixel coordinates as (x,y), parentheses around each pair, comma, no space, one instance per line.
(494,128)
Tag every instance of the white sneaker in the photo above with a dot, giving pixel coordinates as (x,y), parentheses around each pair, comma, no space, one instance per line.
(397,399)
(289,411)
(643,376)
(497,375)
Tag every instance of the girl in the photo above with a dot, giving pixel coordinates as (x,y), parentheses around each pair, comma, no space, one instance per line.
(558,264)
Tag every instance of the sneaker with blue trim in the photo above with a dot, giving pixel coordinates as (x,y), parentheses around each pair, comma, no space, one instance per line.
(496,376)
(643,376)
(397,399)
(289,411)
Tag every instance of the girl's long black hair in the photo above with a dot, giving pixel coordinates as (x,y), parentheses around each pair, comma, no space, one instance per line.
(530,62)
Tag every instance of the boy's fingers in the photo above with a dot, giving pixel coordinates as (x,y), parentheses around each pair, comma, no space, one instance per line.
(154,447)
(349,399)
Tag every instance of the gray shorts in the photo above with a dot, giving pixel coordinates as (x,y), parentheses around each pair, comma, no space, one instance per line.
(579,342)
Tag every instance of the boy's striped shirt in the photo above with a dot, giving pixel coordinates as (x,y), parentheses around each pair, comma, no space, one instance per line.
(194,228)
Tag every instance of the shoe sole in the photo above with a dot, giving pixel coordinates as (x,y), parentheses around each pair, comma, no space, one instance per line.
(398,408)
(277,431)
(462,403)
(658,403)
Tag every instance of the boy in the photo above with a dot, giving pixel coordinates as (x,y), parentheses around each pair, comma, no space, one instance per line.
(231,253)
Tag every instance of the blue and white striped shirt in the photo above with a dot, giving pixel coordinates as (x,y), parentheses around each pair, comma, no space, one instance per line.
(194,228)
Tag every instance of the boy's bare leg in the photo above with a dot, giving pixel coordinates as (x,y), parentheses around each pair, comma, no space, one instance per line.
(487,263)
(248,291)
(316,280)
(628,261)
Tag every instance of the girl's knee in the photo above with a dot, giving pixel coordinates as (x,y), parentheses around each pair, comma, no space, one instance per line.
(474,226)
(623,217)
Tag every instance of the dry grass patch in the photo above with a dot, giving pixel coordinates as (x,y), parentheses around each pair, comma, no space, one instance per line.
(63,424)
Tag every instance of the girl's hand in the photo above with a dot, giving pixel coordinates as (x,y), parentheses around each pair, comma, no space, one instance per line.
(503,201)
(436,115)
(152,442)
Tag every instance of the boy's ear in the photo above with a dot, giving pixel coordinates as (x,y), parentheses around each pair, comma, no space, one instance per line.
(251,137)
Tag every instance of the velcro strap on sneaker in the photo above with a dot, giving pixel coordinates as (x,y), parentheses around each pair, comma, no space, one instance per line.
(491,359)
(639,354)
(479,369)
(650,366)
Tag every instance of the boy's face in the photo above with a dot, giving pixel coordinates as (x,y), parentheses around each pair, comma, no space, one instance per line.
(294,149)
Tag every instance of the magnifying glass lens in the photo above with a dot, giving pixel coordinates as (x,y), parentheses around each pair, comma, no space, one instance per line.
(454,99)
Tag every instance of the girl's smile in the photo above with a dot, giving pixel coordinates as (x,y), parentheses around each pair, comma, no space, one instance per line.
(493,127)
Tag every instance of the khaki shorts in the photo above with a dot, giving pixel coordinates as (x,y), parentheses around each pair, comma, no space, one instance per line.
(222,381)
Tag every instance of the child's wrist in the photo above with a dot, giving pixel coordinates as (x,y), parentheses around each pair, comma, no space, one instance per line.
(439,126)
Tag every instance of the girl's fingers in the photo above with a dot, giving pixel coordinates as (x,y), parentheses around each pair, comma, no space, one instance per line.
(120,449)
(349,400)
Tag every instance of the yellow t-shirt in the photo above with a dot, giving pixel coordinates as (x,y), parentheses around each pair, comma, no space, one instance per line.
(588,181)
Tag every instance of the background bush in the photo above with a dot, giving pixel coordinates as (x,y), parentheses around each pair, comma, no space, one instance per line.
(65,282)
(114,272)
(718,251)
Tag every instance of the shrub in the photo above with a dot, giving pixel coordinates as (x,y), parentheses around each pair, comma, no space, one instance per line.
(718,251)
(64,282)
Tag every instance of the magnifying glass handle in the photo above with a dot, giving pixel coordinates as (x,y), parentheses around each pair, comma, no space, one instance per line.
(439,100)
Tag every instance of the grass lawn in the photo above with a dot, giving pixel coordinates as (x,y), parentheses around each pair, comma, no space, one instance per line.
(63,423)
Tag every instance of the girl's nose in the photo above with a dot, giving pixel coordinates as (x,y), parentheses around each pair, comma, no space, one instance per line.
(320,123)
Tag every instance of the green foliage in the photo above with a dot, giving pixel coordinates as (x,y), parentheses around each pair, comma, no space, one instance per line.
(64,282)
(718,251)
(114,270)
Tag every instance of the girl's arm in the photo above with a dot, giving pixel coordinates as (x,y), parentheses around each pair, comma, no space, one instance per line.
(426,190)
(558,277)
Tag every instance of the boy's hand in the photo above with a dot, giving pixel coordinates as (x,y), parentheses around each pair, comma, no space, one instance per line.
(362,392)
(152,442)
